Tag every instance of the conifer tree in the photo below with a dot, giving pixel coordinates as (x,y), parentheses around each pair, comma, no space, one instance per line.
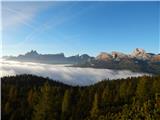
(66,105)
(141,88)
(94,110)
(44,109)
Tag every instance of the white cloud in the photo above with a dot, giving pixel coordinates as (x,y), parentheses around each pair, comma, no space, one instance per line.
(68,75)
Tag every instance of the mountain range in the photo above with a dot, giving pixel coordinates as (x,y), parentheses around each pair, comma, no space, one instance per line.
(138,54)
(139,60)
(34,56)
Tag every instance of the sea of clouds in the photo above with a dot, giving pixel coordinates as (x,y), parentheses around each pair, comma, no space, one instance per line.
(68,75)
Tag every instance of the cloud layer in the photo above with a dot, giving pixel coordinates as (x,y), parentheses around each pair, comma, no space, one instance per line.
(68,75)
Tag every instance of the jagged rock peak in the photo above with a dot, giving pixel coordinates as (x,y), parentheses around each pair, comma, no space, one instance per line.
(118,54)
(32,53)
(104,56)
(140,54)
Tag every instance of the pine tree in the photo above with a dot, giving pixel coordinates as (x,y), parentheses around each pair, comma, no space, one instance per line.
(106,98)
(141,89)
(44,109)
(95,110)
(123,90)
(30,97)
(66,105)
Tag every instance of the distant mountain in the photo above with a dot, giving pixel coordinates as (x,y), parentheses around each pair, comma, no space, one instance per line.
(138,54)
(141,54)
(139,60)
(34,56)
(104,56)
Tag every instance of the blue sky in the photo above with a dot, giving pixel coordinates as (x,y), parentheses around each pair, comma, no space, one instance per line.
(80,27)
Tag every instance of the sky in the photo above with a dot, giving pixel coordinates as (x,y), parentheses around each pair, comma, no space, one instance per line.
(80,27)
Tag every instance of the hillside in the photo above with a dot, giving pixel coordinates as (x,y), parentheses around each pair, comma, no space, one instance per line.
(35,98)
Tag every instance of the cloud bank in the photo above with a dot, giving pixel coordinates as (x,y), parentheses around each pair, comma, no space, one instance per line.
(68,75)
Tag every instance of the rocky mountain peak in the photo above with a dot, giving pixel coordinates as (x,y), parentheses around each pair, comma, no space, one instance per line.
(118,54)
(104,56)
(32,53)
(140,54)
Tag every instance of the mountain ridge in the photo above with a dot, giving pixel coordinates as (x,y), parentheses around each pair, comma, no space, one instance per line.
(59,58)
(138,61)
(138,53)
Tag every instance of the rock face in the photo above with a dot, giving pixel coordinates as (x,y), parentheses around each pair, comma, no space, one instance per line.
(118,55)
(140,54)
(156,58)
(113,56)
(104,56)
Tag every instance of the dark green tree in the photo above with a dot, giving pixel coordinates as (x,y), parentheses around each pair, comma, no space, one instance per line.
(95,109)
(43,110)
(66,105)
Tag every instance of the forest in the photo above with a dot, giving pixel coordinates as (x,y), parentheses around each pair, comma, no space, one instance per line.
(29,97)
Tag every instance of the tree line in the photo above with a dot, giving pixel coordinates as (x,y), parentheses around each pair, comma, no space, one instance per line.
(29,97)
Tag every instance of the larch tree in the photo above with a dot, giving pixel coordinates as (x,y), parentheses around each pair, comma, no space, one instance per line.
(43,110)
(65,105)
(94,110)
